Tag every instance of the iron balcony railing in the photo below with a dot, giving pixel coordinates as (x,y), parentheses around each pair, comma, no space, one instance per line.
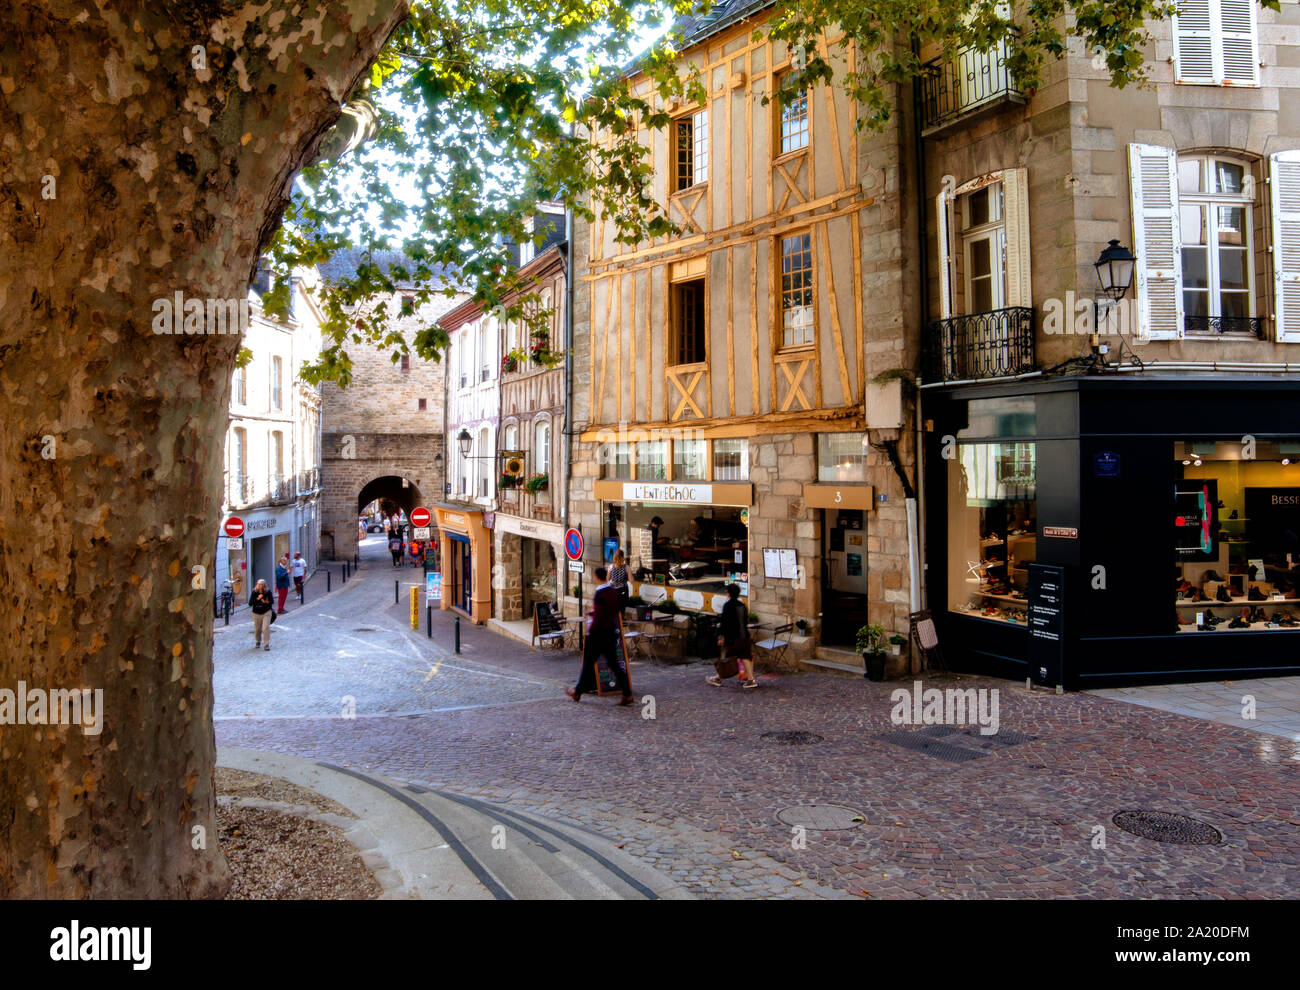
(971,80)
(1197,326)
(996,344)
(308,481)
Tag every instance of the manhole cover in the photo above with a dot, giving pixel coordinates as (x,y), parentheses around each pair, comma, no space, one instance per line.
(1163,826)
(791,738)
(820,817)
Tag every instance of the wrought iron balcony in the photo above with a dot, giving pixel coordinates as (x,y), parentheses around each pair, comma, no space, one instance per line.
(996,344)
(308,481)
(971,81)
(1215,326)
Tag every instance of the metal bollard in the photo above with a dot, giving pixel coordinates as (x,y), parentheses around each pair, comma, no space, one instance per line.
(428,620)
(396,586)
(458,634)
(327,581)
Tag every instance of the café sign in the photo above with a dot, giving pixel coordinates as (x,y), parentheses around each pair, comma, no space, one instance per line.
(648,491)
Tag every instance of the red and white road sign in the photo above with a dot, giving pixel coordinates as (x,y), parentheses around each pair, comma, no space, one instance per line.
(420,516)
(234,526)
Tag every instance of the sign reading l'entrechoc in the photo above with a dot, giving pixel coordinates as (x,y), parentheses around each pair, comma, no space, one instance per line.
(637,491)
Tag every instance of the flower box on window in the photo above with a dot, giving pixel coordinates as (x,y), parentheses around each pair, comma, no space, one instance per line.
(537,483)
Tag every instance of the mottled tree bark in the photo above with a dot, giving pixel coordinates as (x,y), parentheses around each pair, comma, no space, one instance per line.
(133,167)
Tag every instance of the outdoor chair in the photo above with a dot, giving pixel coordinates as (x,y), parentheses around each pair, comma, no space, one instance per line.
(776,644)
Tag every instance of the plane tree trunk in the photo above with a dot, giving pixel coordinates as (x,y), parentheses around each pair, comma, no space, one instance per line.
(133,167)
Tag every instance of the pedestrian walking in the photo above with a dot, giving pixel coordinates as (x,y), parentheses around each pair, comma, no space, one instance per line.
(416,549)
(601,642)
(395,548)
(734,638)
(261,605)
(281,583)
(299,571)
(618,577)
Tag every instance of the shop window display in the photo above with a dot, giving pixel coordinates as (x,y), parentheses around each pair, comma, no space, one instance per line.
(697,547)
(1236,535)
(993,529)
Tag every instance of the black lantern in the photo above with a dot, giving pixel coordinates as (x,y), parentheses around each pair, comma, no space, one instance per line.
(1115,270)
(465,442)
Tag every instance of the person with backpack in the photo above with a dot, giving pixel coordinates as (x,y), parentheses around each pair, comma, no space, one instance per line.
(735,641)
(395,548)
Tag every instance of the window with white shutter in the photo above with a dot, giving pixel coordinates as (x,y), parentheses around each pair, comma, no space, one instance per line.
(1215,43)
(1153,182)
(1284,177)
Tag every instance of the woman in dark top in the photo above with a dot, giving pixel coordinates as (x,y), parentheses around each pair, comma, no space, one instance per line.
(261,605)
(734,638)
(618,576)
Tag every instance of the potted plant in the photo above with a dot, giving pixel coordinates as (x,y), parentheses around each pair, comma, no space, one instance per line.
(537,483)
(897,641)
(509,481)
(802,626)
(871,644)
(509,363)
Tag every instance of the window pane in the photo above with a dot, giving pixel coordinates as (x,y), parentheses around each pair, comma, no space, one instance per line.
(1235,305)
(1189,175)
(615,460)
(1196,303)
(1232,225)
(652,460)
(700,150)
(794,124)
(685,154)
(977,208)
(796,290)
(730,460)
(1196,268)
(981,295)
(1228,177)
(1191,223)
(981,258)
(840,457)
(688,460)
(1232,268)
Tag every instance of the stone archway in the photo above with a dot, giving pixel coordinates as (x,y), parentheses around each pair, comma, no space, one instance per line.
(357,468)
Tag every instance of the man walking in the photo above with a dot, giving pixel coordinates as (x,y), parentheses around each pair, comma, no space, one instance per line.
(601,642)
(299,570)
(395,548)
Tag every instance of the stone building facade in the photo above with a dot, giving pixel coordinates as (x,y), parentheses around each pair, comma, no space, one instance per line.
(1089,442)
(383,434)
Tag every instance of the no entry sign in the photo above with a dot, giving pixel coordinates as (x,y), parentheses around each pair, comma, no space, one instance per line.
(234,526)
(573,544)
(420,516)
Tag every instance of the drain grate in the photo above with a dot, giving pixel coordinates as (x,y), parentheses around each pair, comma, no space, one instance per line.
(1164,826)
(791,738)
(930,746)
(820,817)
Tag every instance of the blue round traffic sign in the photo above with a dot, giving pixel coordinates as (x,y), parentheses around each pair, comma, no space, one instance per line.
(573,545)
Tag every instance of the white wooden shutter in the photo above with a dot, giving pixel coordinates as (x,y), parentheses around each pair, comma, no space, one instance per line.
(1215,41)
(943,209)
(1193,43)
(1153,180)
(1284,177)
(1015,199)
(1239,54)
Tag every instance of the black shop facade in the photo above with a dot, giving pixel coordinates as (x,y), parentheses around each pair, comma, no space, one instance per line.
(1089,531)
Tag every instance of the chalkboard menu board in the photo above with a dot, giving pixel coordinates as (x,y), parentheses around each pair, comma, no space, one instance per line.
(1046,624)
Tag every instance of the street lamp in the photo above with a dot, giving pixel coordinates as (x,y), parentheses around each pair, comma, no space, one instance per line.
(1115,270)
(465,442)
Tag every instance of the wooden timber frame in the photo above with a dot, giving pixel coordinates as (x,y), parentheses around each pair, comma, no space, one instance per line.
(732,224)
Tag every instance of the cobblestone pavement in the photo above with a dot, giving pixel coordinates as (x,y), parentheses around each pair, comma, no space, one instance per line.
(695,791)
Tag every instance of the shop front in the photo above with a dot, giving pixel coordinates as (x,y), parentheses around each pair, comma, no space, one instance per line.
(528,552)
(1092,531)
(684,541)
(466,561)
